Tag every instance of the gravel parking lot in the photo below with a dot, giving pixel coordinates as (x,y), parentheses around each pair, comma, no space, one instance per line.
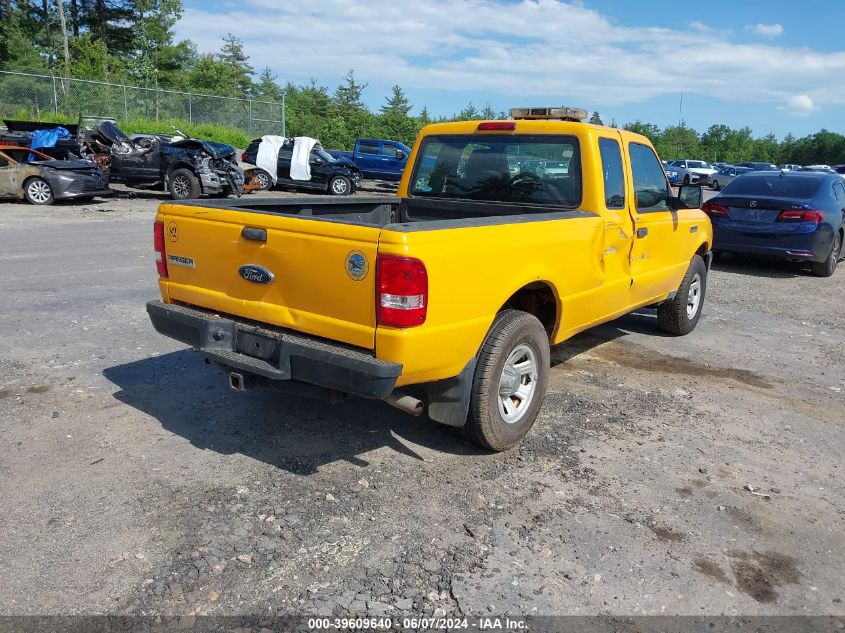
(687,476)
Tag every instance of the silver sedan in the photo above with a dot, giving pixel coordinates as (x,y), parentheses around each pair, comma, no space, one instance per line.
(726,175)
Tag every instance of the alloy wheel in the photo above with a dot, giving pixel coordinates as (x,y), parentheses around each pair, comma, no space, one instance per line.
(39,191)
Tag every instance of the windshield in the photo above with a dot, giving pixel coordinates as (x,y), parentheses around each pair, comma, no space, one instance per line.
(774,186)
(514,168)
(697,164)
(319,152)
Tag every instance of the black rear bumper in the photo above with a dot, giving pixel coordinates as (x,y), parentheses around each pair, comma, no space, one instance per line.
(276,355)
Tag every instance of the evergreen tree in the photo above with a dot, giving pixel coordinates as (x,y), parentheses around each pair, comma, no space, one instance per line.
(110,22)
(397,103)
(237,68)
(158,61)
(17,49)
(488,112)
(267,87)
(347,96)
(469,113)
(595,119)
(424,117)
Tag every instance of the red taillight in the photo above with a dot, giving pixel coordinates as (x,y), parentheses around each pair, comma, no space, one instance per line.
(486,126)
(714,209)
(800,215)
(245,158)
(158,246)
(401,291)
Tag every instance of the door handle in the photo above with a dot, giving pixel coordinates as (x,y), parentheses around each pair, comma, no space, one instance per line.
(642,232)
(258,235)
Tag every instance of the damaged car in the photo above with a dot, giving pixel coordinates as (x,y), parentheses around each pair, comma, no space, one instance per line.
(185,167)
(30,175)
(279,163)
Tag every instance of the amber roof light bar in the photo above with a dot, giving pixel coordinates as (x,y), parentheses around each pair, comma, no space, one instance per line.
(563,113)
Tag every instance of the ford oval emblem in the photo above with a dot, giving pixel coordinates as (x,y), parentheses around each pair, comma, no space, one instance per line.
(256,274)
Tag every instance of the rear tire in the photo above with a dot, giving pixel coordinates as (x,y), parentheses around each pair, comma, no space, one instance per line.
(340,186)
(510,381)
(680,315)
(686,179)
(38,191)
(828,266)
(184,185)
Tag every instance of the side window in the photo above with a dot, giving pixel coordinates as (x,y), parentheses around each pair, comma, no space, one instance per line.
(839,192)
(651,191)
(614,179)
(368,148)
(390,150)
(285,154)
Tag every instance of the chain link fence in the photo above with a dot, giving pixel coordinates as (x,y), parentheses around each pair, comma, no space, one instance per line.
(37,95)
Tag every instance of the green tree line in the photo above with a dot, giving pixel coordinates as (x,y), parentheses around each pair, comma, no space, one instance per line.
(132,42)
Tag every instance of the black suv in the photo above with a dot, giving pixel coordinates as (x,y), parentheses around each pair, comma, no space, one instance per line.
(338,177)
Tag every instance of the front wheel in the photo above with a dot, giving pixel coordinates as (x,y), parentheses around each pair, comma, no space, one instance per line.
(184,185)
(340,186)
(686,179)
(826,268)
(510,381)
(264,180)
(680,314)
(38,191)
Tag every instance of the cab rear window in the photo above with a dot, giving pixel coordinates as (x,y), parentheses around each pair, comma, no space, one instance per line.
(537,169)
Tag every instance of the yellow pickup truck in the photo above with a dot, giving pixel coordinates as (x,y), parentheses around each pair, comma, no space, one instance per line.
(505,237)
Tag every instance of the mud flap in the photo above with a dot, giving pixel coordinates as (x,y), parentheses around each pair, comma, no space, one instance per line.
(448,400)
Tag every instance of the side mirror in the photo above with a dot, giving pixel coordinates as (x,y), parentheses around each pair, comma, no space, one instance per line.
(317,161)
(689,197)
(400,155)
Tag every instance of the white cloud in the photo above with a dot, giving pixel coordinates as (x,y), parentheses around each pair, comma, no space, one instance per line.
(799,105)
(769,30)
(529,51)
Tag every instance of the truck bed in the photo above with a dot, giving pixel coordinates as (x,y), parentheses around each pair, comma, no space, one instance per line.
(405,214)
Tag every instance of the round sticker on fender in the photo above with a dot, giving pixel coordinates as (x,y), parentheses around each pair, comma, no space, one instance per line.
(357,265)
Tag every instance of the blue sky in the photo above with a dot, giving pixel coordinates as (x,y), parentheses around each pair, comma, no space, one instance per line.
(773,66)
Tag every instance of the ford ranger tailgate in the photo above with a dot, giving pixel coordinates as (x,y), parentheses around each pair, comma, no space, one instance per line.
(313,276)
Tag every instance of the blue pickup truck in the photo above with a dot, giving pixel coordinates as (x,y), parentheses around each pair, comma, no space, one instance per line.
(377,159)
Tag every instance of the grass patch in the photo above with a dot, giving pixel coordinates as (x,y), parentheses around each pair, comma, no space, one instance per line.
(206,131)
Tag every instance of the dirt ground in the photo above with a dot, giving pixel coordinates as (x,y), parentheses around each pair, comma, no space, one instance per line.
(689,476)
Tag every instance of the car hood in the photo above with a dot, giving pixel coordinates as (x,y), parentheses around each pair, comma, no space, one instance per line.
(64,164)
(343,160)
(702,170)
(213,148)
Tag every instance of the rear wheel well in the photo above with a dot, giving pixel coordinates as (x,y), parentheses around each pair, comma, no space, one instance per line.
(538,299)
